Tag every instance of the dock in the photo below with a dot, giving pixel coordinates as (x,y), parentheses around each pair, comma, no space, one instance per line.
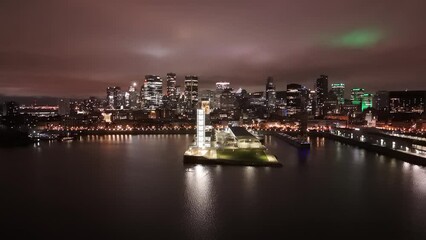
(233,146)
(294,141)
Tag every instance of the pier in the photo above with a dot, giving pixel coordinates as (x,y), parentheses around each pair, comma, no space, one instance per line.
(404,149)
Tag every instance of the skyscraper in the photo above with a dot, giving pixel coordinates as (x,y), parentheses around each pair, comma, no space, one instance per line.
(338,89)
(171,85)
(191,90)
(356,95)
(133,97)
(367,101)
(270,93)
(114,97)
(321,88)
(152,92)
(172,95)
(297,98)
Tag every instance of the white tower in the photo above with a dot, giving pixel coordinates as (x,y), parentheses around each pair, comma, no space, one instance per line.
(201,128)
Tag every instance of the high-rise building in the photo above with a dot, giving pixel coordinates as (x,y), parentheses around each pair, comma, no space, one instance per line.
(227,100)
(207,95)
(64,107)
(338,89)
(296,98)
(321,88)
(381,101)
(171,85)
(152,92)
(257,99)
(356,95)
(220,86)
(114,97)
(311,103)
(191,90)
(367,101)
(133,97)
(407,101)
(270,93)
(331,104)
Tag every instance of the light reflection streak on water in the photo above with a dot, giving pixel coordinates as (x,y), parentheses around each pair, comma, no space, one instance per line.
(249,182)
(199,195)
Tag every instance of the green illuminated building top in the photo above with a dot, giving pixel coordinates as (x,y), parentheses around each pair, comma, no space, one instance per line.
(367,101)
(356,95)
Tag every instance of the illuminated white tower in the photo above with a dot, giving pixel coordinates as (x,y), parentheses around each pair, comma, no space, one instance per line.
(201,128)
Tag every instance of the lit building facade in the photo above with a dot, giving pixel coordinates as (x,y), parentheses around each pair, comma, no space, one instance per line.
(321,88)
(220,86)
(367,101)
(171,85)
(191,91)
(338,89)
(271,94)
(356,95)
(227,100)
(201,128)
(152,92)
(296,98)
(407,101)
(133,97)
(114,97)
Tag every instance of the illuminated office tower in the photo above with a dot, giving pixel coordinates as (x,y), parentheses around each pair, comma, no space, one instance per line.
(131,98)
(356,95)
(172,95)
(297,98)
(171,85)
(338,89)
(367,101)
(321,88)
(114,97)
(191,90)
(152,92)
(270,93)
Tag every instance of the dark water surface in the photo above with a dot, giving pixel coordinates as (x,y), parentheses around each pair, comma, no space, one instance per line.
(137,187)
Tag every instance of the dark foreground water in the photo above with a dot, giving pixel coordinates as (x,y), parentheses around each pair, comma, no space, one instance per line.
(137,187)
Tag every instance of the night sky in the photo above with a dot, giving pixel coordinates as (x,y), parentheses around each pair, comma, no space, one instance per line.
(77,48)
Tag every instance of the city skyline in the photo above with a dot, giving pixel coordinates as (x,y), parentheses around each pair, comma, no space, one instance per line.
(76,49)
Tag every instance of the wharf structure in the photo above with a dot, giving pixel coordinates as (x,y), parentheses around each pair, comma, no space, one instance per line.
(400,147)
(229,146)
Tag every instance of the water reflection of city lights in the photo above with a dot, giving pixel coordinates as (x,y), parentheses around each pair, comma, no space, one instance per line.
(199,194)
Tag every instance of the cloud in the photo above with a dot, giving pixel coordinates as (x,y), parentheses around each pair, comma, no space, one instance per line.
(46,44)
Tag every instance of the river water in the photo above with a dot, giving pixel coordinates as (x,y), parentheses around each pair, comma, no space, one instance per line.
(137,187)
